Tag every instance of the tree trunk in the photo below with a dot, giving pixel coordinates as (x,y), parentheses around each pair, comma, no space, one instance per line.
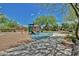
(76,13)
(76,31)
(74,48)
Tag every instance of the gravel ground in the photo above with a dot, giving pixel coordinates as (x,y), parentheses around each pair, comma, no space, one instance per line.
(44,47)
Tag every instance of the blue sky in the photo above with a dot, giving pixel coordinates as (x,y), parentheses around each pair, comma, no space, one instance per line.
(27,13)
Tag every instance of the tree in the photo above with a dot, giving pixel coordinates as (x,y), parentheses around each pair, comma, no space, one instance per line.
(6,23)
(46,20)
(64,26)
(76,10)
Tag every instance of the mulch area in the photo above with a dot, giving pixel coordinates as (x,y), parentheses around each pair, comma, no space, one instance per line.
(12,39)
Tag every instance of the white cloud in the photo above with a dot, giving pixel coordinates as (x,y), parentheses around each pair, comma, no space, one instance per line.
(32,14)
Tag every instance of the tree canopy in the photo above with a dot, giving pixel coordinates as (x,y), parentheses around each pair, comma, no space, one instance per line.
(45,20)
(6,23)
